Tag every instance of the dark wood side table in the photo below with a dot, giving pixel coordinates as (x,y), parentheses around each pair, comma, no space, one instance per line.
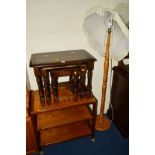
(63,109)
(48,67)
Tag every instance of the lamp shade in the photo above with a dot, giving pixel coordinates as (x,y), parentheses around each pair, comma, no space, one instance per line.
(95,27)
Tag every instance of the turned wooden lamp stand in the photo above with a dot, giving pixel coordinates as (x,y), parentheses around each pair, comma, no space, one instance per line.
(96,24)
(102,123)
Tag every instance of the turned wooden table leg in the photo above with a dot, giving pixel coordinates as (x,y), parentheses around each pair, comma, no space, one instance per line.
(45,75)
(75,83)
(89,85)
(55,87)
(82,83)
(40,85)
(94,118)
(70,79)
(90,67)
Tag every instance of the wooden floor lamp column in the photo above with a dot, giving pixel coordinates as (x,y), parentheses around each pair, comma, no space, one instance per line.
(102,123)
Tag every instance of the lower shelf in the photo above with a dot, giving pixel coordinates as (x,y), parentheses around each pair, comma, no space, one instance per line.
(64,116)
(63,133)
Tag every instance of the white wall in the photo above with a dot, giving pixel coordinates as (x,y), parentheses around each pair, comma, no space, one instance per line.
(55,25)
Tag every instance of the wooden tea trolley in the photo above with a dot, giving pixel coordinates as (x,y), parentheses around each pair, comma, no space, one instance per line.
(62,109)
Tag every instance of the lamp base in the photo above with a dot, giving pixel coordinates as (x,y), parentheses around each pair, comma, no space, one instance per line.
(102,123)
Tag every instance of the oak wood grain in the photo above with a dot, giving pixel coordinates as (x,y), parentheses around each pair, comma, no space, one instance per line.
(37,108)
(62,117)
(67,132)
(31,143)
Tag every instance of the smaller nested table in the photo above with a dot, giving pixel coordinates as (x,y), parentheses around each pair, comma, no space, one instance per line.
(49,66)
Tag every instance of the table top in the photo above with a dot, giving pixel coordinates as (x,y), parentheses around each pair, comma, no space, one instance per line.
(36,105)
(60,58)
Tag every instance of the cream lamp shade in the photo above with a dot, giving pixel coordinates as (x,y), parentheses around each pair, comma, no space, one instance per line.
(95,27)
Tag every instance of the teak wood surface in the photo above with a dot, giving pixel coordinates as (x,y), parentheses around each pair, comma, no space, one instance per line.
(31,128)
(64,120)
(31,143)
(63,117)
(63,133)
(37,108)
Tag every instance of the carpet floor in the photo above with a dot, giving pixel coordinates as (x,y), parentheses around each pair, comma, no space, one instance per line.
(110,142)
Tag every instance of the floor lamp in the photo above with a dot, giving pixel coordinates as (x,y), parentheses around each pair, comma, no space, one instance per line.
(99,26)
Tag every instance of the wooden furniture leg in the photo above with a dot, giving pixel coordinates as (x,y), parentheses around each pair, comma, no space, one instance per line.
(40,85)
(89,85)
(82,83)
(90,67)
(45,75)
(94,119)
(71,79)
(75,83)
(55,87)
